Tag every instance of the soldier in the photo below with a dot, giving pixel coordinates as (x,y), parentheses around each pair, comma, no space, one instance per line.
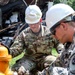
(35,41)
(61,21)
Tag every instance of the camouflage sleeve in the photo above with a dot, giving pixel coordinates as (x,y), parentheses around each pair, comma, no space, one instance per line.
(54,41)
(17,47)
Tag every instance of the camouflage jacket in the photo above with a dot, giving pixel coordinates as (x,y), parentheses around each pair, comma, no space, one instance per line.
(34,45)
(68,56)
(71,61)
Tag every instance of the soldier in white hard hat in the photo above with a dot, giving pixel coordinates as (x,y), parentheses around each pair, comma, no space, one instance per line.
(61,21)
(35,41)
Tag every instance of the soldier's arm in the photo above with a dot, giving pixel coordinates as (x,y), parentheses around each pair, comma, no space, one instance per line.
(17,47)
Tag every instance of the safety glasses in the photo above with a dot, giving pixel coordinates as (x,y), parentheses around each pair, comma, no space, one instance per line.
(52,29)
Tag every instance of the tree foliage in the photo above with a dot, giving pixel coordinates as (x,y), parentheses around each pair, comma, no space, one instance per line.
(73,4)
(69,2)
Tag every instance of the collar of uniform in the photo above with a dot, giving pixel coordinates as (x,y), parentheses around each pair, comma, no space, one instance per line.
(36,33)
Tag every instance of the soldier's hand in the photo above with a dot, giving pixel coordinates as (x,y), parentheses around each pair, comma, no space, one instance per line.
(23,71)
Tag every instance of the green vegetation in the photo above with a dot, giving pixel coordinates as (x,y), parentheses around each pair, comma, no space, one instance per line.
(69,2)
(13,61)
(54,52)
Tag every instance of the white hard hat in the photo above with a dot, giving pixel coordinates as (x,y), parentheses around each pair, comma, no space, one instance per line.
(32,14)
(56,13)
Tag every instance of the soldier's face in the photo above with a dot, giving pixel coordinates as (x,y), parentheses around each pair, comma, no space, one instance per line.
(35,27)
(61,33)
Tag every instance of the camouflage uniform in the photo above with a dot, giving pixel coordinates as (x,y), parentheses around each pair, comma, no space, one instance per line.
(68,56)
(72,58)
(36,47)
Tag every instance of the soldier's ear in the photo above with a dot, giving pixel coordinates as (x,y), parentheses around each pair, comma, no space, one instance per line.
(41,20)
(64,25)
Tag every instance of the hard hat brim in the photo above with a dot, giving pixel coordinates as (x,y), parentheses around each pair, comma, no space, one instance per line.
(32,22)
